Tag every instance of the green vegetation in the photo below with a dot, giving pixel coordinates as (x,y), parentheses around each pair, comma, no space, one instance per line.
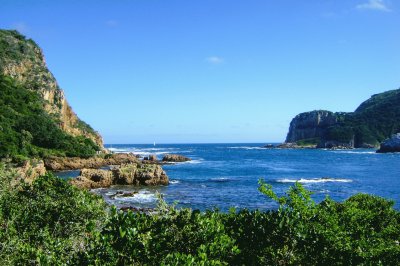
(27,130)
(15,46)
(308,142)
(372,122)
(53,223)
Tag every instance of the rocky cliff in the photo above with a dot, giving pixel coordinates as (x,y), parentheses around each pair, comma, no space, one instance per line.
(23,60)
(373,121)
(310,125)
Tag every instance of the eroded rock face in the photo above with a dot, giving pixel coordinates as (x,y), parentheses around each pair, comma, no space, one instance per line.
(390,145)
(128,174)
(24,61)
(74,163)
(310,125)
(175,158)
(31,169)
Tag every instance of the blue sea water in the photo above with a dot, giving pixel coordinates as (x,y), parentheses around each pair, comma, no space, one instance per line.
(226,175)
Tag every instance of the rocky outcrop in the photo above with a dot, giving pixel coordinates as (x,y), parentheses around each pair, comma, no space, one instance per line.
(390,145)
(375,119)
(23,60)
(310,125)
(30,170)
(175,158)
(151,158)
(128,174)
(74,163)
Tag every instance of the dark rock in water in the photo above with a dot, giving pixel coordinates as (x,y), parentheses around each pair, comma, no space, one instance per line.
(269,146)
(288,145)
(128,174)
(335,145)
(152,158)
(367,146)
(122,194)
(390,145)
(175,158)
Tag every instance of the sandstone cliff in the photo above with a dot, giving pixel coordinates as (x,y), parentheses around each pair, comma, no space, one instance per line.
(23,60)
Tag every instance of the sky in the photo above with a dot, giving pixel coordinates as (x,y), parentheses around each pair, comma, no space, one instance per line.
(206,71)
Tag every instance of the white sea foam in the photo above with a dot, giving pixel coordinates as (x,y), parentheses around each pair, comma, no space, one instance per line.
(220,179)
(247,148)
(314,180)
(354,152)
(174,181)
(141,197)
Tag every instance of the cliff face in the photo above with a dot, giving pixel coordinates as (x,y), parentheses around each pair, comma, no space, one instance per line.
(310,125)
(373,121)
(23,60)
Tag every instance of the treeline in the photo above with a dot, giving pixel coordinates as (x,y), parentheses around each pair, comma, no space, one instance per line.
(374,120)
(52,223)
(26,130)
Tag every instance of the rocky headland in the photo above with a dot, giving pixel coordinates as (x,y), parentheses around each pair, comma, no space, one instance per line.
(372,122)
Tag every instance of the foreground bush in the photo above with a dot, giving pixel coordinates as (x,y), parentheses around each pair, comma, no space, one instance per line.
(47,222)
(53,223)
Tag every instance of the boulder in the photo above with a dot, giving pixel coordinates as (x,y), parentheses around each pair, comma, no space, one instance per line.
(175,158)
(390,145)
(93,178)
(127,174)
(121,158)
(151,158)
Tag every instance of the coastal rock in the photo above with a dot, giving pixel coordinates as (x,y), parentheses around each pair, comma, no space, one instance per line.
(288,145)
(268,146)
(93,178)
(128,174)
(175,158)
(74,163)
(121,158)
(310,125)
(390,145)
(31,169)
(151,158)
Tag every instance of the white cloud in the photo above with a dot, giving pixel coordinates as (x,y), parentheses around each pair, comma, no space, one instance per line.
(215,60)
(111,23)
(378,5)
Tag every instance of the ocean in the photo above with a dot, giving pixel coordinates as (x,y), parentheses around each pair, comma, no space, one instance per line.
(226,175)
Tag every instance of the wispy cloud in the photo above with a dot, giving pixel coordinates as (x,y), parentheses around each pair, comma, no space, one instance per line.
(215,60)
(21,27)
(378,5)
(111,23)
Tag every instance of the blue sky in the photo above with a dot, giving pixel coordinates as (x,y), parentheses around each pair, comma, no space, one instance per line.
(195,71)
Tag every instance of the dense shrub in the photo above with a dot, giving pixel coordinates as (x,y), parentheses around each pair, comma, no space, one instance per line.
(51,223)
(47,222)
